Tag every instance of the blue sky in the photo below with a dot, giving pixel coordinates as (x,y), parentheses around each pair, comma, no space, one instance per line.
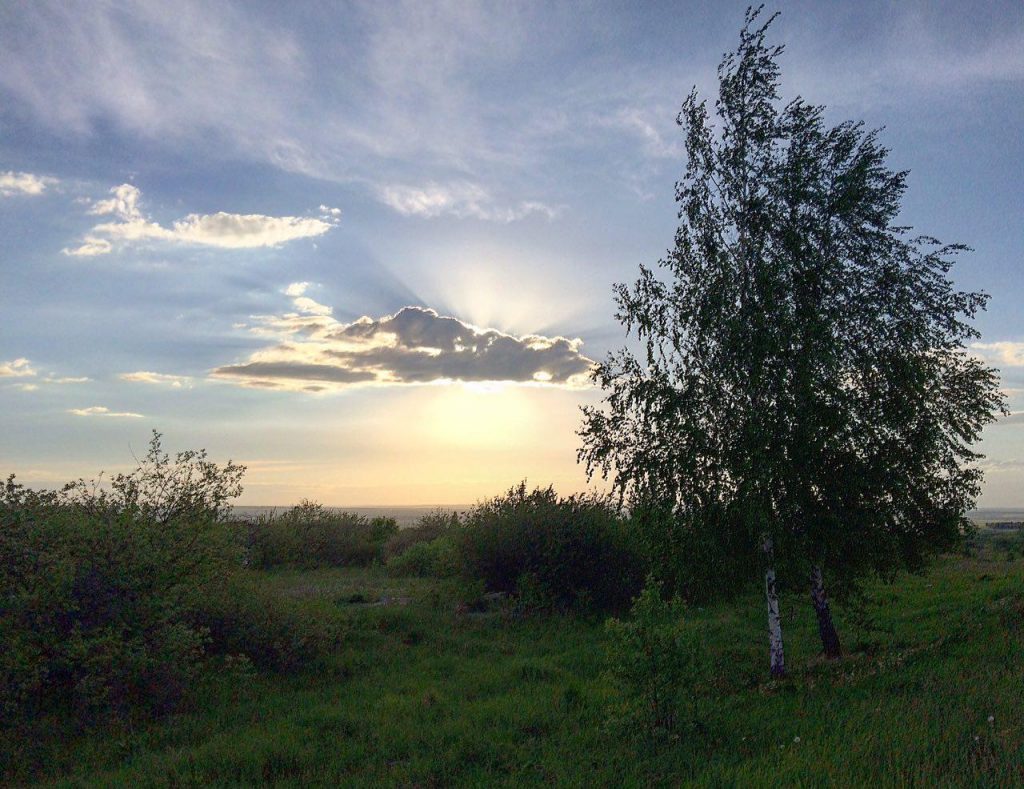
(213,216)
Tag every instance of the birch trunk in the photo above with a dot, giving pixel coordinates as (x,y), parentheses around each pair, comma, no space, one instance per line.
(826,629)
(776,654)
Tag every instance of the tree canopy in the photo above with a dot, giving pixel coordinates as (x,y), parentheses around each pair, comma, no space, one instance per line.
(801,371)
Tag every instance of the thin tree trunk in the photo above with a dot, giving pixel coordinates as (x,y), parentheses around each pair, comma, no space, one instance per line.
(776,654)
(826,629)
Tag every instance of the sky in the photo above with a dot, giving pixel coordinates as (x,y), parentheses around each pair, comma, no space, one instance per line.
(368,249)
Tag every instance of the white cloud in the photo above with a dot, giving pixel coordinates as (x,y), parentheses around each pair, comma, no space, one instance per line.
(160,379)
(460,199)
(221,230)
(245,231)
(22,368)
(17,368)
(12,183)
(302,302)
(90,247)
(1004,353)
(310,307)
(641,123)
(99,410)
(330,212)
(124,203)
(314,352)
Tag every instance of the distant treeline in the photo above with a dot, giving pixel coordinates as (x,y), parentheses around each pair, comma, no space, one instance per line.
(1005,525)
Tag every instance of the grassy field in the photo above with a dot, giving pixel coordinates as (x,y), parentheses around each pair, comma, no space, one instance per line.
(424,694)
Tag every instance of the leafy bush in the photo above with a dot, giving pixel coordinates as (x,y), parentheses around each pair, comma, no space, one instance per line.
(438,558)
(429,527)
(654,659)
(97,584)
(563,553)
(310,535)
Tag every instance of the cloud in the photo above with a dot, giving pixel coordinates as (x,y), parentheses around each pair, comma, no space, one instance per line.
(303,303)
(460,199)
(416,345)
(412,86)
(641,124)
(1016,418)
(18,368)
(1004,354)
(1008,464)
(34,385)
(221,230)
(22,368)
(99,410)
(159,379)
(12,183)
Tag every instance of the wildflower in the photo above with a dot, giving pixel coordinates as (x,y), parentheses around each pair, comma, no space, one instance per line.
(796,739)
(991,718)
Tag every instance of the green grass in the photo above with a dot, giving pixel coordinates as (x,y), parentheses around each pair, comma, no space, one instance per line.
(424,695)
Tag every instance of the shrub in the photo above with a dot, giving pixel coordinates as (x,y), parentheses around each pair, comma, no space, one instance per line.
(96,584)
(566,553)
(654,660)
(310,536)
(438,558)
(429,527)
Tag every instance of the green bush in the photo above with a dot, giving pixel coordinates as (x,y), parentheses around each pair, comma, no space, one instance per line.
(429,527)
(654,660)
(438,558)
(310,536)
(97,585)
(561,553)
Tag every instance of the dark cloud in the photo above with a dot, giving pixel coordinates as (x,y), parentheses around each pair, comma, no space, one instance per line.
(413,346)
(296,371)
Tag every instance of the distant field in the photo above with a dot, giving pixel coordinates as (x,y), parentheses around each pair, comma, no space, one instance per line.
(991,515)
(406,516)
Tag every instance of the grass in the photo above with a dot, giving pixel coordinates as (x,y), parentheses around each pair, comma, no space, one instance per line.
(425,695)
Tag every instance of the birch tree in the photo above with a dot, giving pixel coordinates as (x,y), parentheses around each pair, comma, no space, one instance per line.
(801,386)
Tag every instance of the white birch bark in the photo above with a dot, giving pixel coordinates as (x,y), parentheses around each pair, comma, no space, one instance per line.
(826,628)
(776,654)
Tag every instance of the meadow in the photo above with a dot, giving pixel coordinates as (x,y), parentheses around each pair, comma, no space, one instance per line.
(426,691)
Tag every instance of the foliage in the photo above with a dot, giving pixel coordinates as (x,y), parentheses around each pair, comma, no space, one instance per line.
(695,553)
(436,558)
(566,552)
(97,584)
(310,535)
(186,489)
(428,527)
(803,375)
(654,659)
